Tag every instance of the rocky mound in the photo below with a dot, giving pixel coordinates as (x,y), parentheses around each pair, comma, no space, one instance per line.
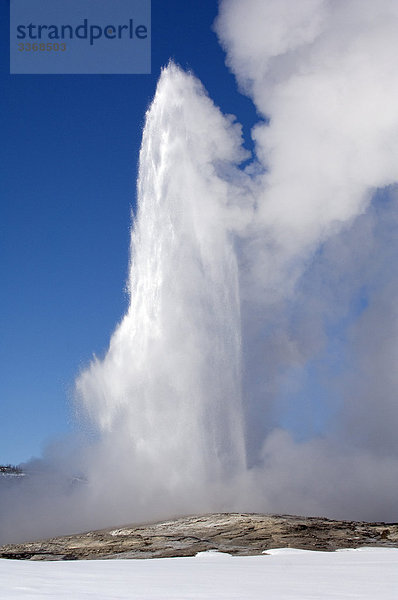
(237,534)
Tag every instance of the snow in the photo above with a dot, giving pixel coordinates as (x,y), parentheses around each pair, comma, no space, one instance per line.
(282,574)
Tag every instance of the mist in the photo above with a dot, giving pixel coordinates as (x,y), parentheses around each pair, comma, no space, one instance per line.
(255,367)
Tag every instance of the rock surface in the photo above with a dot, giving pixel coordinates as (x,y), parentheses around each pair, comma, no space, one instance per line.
(235,533)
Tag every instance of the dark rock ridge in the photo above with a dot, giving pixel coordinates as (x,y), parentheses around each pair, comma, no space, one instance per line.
(239,534)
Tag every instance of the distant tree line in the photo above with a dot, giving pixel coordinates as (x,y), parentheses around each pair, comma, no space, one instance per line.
(10,469)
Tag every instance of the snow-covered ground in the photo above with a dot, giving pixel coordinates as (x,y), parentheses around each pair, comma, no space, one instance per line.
(370,574)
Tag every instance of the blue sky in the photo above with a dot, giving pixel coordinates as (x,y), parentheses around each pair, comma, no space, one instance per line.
(69,157)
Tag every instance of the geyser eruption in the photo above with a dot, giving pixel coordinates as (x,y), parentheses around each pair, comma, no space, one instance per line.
(236,377)
(169,388)
(255,369)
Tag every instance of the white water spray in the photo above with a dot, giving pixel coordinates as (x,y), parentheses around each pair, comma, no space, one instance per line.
(169,388)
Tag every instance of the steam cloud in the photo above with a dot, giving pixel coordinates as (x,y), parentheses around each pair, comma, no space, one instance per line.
(256,366)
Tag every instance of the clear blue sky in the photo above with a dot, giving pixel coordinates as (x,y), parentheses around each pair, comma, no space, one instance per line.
(69,156)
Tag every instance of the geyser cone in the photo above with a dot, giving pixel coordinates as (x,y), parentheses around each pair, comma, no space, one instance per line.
(169,390)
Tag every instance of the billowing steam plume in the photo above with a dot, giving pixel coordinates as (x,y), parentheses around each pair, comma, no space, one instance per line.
(256,366)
